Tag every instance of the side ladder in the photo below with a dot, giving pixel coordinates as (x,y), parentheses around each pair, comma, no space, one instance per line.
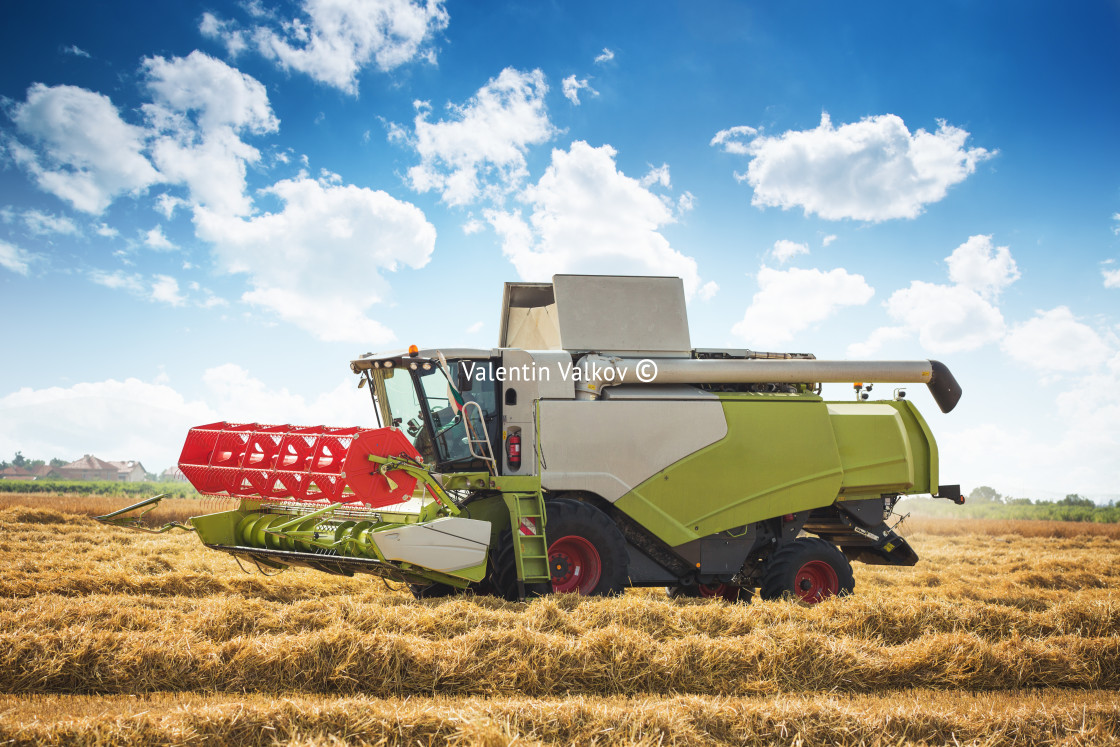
(530,546)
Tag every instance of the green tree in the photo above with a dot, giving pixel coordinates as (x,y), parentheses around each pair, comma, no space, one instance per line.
(19,459)
(1073,499)
(984,494)
(56,462)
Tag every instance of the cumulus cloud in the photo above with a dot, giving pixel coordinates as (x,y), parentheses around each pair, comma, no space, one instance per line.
(951,318)
(332,40)
(658,175)
(572,87)
(89,155)
(201,107)
(135,419)
(155,239)
(14,259)
(785,250)
(789,301)
(481,148)
(40,223)
(317,262)
(872,170)
(708,290)
(587,216)
(165,289)
(734,140)
(978,265)
(1055,341)
(120,280)
(1111,278)
(605,57)
(828,239)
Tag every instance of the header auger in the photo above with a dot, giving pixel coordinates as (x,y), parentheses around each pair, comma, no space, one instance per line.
(595,449)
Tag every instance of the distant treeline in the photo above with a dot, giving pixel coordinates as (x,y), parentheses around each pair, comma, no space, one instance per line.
(987,503)
(100,487)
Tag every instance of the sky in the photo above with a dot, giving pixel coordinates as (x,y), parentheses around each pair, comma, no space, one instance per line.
(207,209)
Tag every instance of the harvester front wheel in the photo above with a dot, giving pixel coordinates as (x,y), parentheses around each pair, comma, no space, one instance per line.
(586,554)
(807,569)
(586,551)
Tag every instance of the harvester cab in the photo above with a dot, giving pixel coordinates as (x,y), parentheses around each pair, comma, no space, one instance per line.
(594,449)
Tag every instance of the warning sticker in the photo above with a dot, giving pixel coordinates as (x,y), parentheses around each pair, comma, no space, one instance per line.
(528,526)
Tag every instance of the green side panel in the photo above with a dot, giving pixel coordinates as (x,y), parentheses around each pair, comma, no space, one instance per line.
(875,448)
(926,464)
(217,529)
(778,457)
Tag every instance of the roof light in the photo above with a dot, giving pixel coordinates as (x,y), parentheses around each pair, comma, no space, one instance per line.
(413,351)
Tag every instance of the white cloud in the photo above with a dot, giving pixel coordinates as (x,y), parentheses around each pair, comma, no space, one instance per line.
(15,259)
(657,175)
(106,231)
(606,56)
(301,261)
(878,338)
(828,239)
(1111,278)
(979,266)
(148,421)
(587,216)
(482,147)
(128,419)
(75,50)
(154,239)
(789,301)
(947,318)
(686,202)
(785,250)
(165,289)
(475,328)
(708,290)
(40,223)
(200,108)
(166,205)
(951,318)
(572,87)
(871,170)
(119,280)
(1055,341)
(334,39)
(89,154)
(734,139)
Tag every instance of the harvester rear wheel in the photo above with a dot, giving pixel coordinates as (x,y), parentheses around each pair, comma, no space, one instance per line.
(807,569)
(727,592)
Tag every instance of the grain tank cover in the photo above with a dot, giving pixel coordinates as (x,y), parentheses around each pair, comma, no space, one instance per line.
(601,313)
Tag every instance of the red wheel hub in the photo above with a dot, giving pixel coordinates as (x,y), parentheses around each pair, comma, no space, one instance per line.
(814,581)
(575,565)
(729,592)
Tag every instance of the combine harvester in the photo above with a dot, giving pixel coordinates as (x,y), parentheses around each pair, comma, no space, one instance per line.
(595,449)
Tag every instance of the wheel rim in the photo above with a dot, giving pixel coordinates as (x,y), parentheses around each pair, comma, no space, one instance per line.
(575,565)
(814,581)
(728,592)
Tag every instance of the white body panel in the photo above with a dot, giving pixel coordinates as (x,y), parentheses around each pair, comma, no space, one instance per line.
(609,447)
(449,544)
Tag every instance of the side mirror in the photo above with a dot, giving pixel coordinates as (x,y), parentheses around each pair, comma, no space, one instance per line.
(465,382)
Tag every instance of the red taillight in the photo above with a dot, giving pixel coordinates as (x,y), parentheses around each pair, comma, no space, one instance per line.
(513,451)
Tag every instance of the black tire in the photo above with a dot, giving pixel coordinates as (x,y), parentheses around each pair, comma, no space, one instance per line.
(583,541)
(807,569)
(727,592)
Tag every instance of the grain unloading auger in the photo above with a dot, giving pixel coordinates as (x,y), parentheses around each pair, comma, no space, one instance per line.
(595,449)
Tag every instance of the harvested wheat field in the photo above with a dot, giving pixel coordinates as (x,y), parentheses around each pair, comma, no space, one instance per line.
(1005,633)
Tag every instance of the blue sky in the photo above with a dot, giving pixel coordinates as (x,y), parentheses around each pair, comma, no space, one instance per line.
(207,209)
